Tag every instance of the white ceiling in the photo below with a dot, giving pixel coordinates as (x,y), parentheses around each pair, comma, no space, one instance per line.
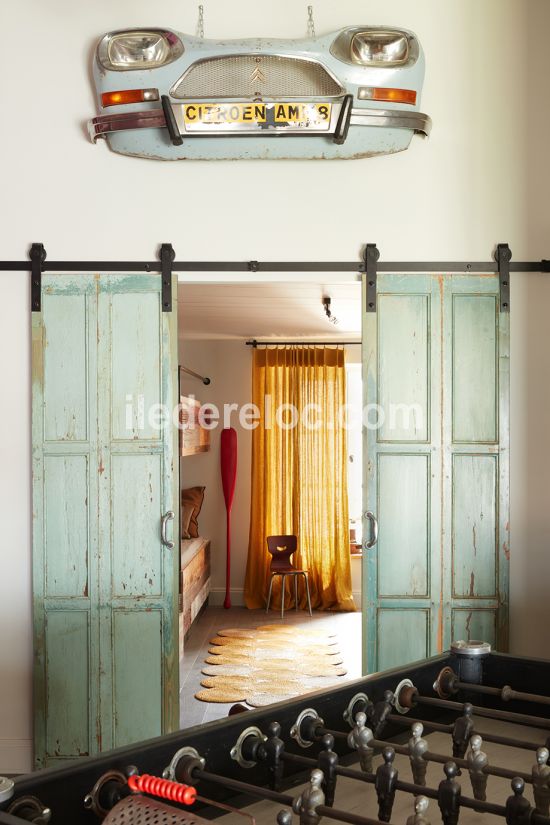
(292,311)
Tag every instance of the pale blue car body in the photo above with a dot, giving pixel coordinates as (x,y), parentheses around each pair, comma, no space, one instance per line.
(375,128)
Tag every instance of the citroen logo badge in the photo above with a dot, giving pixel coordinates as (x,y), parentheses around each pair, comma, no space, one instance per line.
(257,76)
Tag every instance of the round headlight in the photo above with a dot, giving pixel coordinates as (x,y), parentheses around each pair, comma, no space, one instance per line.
(138,49)
(379,48)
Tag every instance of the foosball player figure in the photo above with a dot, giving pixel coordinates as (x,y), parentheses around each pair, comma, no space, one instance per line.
(420,807)
(541,782)
(360,739)
(448,795)
(384,784)
(463,728)
(328,762)
(271,752)
(518,809)
(305,805)
(417,749)
(377,714)
(477,762)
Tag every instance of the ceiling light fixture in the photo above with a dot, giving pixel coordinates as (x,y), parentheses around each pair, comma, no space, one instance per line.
(328,312)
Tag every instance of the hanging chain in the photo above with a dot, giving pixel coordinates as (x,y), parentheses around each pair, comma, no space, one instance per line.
(200,23)
(310,22)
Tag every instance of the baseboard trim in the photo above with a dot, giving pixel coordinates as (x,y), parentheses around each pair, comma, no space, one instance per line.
(217,597)
(15,756)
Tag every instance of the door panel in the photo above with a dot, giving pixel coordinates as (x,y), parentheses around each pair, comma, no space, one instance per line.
(401,574)
(135,329)
(67,647)
(66,526)
(437,478)
(103,475)
(475,383)
(409,632)
(404,367)
(137,553)
(475,524)
(476,459)
(65,611)
(136,686)
(65,368)
(403,518)
(474,624)
(137,367)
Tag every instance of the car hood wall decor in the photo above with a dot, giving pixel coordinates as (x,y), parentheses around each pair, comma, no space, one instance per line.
(353,93)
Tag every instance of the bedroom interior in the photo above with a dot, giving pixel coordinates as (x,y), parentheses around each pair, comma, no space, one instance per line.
(219,330)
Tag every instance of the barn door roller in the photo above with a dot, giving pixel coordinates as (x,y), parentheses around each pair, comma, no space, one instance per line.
(37,255)
(372,256)
(503,256)
(167,258)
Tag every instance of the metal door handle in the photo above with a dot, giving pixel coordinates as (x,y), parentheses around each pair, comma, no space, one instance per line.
(373,530)
(163,525)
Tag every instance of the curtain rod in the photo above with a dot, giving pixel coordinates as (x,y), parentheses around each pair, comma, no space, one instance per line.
(255,343)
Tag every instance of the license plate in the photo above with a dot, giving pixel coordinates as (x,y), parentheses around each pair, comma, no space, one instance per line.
(255,117)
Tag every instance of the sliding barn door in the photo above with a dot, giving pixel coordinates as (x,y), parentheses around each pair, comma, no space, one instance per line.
(436,395)
(104,475)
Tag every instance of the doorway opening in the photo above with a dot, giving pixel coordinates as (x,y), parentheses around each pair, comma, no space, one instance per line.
(215,323)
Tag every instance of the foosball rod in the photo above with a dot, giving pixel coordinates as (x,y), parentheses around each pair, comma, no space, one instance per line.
(410,697)
(432,793)
(418,790)
(505,693)
(285,799)
(522,744)
(429,756)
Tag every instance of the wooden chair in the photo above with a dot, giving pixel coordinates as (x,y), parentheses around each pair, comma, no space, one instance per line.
(281,549)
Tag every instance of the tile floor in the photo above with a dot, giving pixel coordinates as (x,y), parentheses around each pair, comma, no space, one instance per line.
(193,712)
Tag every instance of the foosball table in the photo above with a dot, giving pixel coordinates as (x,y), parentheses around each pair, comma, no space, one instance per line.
(463,736)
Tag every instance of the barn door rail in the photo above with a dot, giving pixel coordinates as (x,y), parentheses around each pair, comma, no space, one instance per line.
(502,264)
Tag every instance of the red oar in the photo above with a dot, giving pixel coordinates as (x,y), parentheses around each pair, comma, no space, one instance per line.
(229,473)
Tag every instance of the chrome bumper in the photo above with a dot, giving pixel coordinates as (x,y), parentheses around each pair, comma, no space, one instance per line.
(392,119)
(102,125)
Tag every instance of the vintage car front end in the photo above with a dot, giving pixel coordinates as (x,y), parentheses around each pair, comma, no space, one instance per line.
(166,95)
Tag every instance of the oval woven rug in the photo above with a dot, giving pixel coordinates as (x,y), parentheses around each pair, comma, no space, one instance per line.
(268,664)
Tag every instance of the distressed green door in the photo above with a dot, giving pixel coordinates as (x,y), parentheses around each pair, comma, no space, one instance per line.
(104,475)
(436,387)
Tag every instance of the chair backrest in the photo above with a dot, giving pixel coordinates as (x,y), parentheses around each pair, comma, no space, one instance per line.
(281,548)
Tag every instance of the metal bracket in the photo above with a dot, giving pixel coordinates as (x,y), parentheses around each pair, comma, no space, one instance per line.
(167,258)
(175,137)
(503,256)
(360,699)
(344,120)
(372,255)
(253,266)
(37,256)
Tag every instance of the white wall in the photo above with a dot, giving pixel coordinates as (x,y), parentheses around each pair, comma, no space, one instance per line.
(483,177)
(228,365)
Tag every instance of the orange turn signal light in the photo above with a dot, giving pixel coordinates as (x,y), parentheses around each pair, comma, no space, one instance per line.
(128,96)
(388,95)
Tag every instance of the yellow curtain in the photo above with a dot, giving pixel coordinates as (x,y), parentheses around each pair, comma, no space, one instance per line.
(299,474)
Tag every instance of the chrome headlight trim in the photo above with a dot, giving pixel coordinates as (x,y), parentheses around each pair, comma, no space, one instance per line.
(172,49)
(343,46)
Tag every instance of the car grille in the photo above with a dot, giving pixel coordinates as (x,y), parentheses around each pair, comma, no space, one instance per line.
(253,76)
